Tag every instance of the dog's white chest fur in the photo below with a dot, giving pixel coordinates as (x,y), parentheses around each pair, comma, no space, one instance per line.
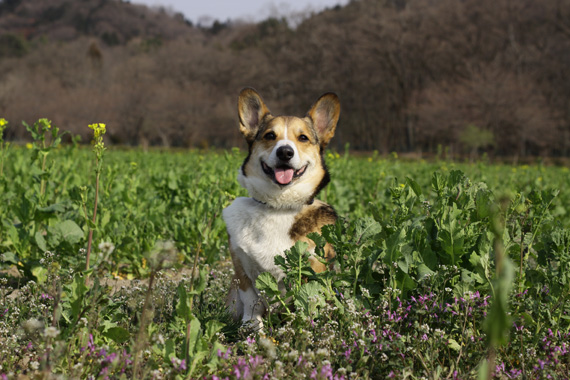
(258,233)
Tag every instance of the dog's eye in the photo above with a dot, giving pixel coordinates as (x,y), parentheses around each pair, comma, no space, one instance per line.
(303,138)
(269,136)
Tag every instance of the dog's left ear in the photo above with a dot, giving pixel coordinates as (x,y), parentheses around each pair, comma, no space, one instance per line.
(324,114)
(251,111)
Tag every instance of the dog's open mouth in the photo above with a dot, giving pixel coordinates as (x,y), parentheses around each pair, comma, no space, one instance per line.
(283,174)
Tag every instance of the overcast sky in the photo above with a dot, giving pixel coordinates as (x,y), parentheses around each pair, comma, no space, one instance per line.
(199,11)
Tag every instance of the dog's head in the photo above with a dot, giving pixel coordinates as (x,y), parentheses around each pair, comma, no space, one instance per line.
(285,166)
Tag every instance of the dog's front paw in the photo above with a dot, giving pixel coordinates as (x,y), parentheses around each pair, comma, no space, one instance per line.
(253,324)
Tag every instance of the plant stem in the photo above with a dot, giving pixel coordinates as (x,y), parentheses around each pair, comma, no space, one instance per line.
(192,279)
(90,238)
(1,159)
(43,181)
(491,363)
(142,328)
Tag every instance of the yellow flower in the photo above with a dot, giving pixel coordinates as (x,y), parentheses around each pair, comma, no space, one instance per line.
(45,123)
(117,275)
(369,159)
(29,145)
(3,123)
(402,185)
(99,129)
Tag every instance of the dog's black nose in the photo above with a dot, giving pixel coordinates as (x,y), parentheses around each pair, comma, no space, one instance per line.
(285,153)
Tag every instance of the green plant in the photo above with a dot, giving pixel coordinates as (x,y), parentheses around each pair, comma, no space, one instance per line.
(3,126)
(99,148)
(414,279)
(46,138)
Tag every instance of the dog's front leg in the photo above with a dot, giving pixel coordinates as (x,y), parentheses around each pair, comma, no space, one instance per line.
(253,306)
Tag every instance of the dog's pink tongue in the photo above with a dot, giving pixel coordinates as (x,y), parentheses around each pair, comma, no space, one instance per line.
(284,176)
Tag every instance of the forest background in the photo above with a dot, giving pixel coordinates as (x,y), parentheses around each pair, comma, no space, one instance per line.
(419,76)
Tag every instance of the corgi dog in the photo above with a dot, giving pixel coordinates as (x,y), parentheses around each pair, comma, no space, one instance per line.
(283,173)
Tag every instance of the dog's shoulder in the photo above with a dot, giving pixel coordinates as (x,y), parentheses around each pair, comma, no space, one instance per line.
(311,219)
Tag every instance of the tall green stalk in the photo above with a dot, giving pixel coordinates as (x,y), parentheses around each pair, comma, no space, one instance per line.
(3,126)
(498,322)
(99,130)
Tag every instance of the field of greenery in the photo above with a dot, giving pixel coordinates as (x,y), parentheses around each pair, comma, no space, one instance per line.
(114,265)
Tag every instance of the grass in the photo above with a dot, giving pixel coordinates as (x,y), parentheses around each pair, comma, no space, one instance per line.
(416,291)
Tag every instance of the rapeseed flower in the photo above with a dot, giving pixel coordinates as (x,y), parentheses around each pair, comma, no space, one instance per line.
(99,130)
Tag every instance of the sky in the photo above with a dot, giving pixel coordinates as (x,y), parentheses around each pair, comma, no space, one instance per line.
(205,11)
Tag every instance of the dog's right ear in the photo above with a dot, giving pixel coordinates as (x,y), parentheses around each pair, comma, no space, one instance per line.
(251,111)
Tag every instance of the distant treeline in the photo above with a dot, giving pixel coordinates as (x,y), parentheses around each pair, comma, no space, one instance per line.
(470,76)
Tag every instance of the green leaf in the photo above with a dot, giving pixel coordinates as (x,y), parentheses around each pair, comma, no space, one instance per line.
(200,282)
(117,334)
(183,305)
(310,297)
(414,185)
(40,273)
(438,182)
(75,296)
(195,329)
(393,247)
(267,283)
(483,204)
(368,229)
(423,271)
(483,372)
(452,343)
(498,323)
(69,232)
(214,358)
(318,239)
(56,207)
(169,349)
(405,282)
(452,236)
(455,178)
(40,241)
(92,225)
(213,327)
(9,257)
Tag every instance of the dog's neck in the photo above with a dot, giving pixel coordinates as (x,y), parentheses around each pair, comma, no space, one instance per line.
(309,202)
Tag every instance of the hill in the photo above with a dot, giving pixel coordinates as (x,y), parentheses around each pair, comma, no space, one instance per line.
(413,75)
(112,21)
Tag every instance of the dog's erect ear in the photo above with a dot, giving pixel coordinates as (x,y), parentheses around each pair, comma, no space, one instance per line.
(324,114)
(251,111)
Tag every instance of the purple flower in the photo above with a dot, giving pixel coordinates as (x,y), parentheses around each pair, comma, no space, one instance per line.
(255,361)
(327,371)
(237,372)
